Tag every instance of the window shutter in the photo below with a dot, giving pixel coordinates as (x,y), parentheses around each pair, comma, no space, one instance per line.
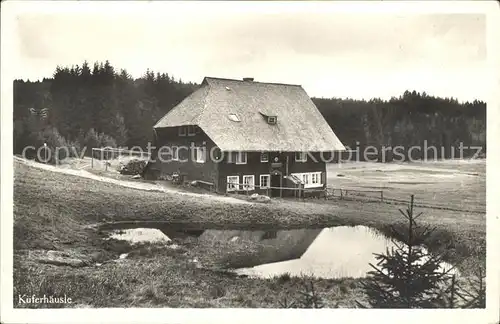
(323,178)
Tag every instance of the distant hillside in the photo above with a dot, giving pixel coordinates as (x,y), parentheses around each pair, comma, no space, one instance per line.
(408,120)
(84,106)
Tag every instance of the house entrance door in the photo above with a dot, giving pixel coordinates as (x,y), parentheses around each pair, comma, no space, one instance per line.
(276,184)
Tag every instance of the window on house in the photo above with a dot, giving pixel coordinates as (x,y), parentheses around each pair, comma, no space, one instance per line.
(315,178)
(269,235)
(240,157)
(232,183)
(175,153)
(237,157)
(248,182)
(264,157)
(309,179)
(191,130)
(300,156)
(269,117)
(271,120)
(182,131)
(199,155)
(265,181)
(305,179)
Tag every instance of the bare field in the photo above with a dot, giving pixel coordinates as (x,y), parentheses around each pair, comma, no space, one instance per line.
(459,184)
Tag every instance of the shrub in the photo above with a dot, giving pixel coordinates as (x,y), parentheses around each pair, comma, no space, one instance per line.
(74,149)
(93,139)
(132,167)
(55,146)
(284,278)
(308,297)
(106,140)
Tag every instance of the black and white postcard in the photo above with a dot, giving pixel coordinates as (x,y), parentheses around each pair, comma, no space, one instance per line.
(272,161)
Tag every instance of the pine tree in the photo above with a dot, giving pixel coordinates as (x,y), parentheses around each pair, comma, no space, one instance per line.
(119,130)
(475,296)
(406,276)
(90,141)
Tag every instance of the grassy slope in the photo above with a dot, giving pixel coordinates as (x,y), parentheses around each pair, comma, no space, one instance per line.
(88,201)
(52,211)
(168,279)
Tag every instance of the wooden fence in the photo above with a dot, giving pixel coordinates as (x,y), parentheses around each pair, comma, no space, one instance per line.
(354,193)
(337,193)
(378,196)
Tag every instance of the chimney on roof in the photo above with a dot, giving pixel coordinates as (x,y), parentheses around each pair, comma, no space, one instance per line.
(248,79)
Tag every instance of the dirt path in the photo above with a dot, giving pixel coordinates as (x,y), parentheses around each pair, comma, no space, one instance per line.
(128,184)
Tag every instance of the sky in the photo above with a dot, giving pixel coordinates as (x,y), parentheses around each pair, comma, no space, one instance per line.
(330,53)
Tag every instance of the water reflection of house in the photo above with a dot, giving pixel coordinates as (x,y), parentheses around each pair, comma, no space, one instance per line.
(243,135)
(250,248)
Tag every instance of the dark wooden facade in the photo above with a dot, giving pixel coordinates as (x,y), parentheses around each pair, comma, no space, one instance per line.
(186,166)
(218,166)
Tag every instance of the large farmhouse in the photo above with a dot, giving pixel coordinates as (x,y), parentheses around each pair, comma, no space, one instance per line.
(243,135)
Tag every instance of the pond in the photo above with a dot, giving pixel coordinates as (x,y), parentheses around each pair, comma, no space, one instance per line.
(139,235)
(336,252)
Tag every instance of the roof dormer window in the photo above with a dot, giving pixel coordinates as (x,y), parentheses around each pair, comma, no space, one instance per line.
(269,116)
(233,117)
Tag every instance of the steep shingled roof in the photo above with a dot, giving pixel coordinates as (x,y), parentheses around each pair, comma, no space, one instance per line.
(300,126)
